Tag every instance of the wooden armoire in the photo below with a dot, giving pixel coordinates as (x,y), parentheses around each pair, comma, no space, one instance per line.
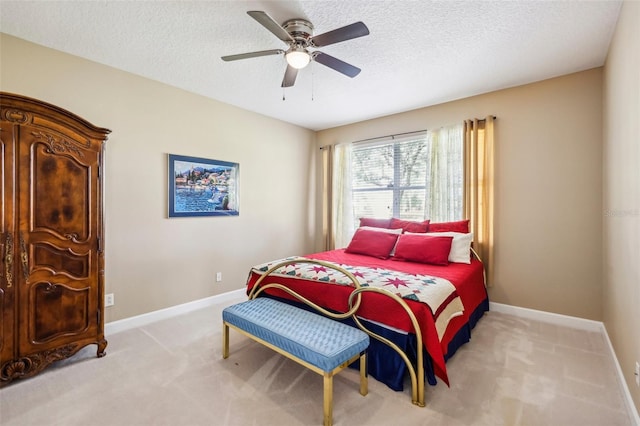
(51,236)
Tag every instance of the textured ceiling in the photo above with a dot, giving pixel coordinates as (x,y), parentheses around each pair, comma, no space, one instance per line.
(418,53)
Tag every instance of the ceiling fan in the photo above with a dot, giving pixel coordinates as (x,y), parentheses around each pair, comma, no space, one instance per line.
(298,35)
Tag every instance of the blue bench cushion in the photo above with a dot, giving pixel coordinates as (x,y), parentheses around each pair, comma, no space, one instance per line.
(320,341)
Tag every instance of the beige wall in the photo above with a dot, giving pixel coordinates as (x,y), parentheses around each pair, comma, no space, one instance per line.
(548,187)
(621,212)
(153,262)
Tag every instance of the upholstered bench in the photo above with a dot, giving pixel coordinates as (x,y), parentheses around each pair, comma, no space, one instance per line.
(321,344)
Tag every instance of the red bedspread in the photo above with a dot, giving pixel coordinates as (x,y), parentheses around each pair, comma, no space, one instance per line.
(467,278)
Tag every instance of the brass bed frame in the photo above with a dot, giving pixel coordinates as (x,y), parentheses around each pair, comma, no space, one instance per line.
(355,299)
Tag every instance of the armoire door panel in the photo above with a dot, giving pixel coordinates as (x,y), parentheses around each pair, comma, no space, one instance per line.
(7,240)
(58,311)
(3,316)
(7,181)
(61,195)
(55,260)
(5,173)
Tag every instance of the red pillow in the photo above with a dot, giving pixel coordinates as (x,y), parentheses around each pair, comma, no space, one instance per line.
(423,249)
(409,226)
(458,226)
(376,223)
(372,243)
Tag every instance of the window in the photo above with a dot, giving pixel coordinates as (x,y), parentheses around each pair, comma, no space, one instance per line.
(389,178)
(414,177)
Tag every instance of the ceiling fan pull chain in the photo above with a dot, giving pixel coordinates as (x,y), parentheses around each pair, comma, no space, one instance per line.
(283,98)
(313,73)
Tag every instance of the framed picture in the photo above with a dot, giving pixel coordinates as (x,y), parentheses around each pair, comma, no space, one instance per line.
(202,187)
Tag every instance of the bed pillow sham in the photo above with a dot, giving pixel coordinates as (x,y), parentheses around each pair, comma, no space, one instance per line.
(409,226)
(387,230)
(376,223)
(372,243)
(460,247)
(457,226)
(423,249)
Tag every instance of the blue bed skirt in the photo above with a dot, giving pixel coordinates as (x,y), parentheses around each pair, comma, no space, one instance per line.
(386,366)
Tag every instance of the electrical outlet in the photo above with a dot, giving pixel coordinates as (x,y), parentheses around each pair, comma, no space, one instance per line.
(218,276)
(109,300)
(637,373)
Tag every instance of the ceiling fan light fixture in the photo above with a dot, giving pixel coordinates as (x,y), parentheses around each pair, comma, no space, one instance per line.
(297,57)
(298,35)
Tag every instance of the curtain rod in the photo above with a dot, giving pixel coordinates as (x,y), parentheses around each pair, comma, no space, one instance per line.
(405,133)
(397,134)
(380,137)
(391,136)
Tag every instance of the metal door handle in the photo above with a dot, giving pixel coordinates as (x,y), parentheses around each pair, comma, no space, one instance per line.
(8,259)
(24,257)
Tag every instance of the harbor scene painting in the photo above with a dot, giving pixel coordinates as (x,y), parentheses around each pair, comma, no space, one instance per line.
(202,187)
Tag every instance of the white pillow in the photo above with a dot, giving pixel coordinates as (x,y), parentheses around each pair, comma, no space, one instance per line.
(387,230)
(460,246)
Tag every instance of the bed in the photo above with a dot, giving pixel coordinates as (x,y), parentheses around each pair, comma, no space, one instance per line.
(457,299)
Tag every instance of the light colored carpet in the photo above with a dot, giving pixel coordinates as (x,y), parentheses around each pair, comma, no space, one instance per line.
(513,372)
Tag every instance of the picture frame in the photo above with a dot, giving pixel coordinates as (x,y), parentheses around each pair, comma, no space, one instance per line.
(202,187)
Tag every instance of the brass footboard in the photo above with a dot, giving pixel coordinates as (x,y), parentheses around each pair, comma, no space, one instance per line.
(355,299)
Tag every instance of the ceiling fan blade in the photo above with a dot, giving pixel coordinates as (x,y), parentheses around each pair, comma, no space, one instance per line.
(289,76)
(252,54)
(268,22)
(336,64)
(355,30)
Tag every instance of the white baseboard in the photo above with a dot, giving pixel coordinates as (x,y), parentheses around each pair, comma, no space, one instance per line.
(564,320)
(630,405)
(579,323)
(144,319)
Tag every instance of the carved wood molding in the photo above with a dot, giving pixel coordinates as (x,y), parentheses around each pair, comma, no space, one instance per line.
(32,364)
(58,145)
(16,116)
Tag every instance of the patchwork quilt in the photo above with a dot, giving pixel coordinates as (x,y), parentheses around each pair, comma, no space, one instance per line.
(437,293)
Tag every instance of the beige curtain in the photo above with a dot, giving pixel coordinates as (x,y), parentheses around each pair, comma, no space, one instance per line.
(444,203)
(342,226)
(327,196)
(479,188)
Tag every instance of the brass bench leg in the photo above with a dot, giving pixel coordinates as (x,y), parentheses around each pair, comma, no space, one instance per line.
(225,340)
(364,381)
(328,399)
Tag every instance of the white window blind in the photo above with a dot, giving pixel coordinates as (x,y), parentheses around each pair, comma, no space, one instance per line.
(389,177)
(413,176)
